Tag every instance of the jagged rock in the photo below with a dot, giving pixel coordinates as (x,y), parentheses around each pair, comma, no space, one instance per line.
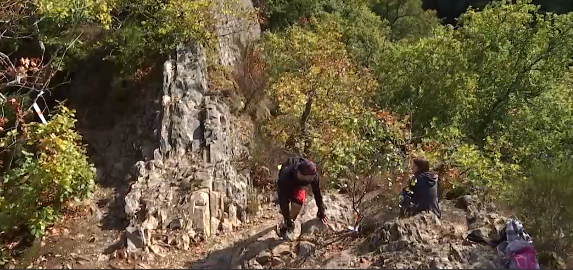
(150,223)
(253,264)
(201,216)
(305,249)
(215,222)
(277,261)
(440,263)
(338,211)
(134,238)
(456,253)
(157,250)
(282,249)
(191,177)
(313,226)
(233,35)
(232,214)
(226,225)
(175,224)
(185,241)
(486,264)
(264,257)
(464,202)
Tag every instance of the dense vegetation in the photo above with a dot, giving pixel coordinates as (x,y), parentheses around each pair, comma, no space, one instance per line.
(360,86)
(488,101)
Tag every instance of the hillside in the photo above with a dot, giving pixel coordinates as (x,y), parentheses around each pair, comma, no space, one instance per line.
(141,133)
(391,243)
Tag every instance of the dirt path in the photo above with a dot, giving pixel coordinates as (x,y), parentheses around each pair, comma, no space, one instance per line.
(86,240)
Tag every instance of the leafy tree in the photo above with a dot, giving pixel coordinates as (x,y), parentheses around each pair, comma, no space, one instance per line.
(406,18)
(284,13)
(473,77)
(427,80)
(524,55)
(541,130)
(321,95)
(363,32)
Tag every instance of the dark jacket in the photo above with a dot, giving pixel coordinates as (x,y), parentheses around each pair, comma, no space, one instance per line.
(425,193)
(288,181)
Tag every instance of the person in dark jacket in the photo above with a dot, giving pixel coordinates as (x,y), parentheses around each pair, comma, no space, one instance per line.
(295,175)
(423,188)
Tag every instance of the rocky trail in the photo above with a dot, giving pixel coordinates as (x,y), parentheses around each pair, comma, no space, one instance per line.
(383,242)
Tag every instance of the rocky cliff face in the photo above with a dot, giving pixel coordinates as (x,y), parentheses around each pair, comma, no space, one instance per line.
(192,186)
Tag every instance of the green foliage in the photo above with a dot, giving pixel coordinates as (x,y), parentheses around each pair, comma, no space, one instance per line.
(406,18)
(543,202)
(482,77)
(517,57)
(131,33)
(479,92)
(484,170)
(363,32)
(50,169)
(144,31)
(284,13)
(63,12)
(541,131)
(426,80)
(320,93)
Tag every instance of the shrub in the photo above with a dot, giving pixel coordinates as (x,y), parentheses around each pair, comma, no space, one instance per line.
(49,168)
(543,202)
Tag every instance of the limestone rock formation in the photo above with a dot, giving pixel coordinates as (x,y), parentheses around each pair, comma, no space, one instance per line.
(192,185)
(424,241)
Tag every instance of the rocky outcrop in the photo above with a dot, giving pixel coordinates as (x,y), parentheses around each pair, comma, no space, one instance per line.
(426,242)
(192,186)
(235,33)
(263,249)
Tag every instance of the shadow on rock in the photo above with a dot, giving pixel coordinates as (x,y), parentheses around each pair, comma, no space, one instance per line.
(242,254)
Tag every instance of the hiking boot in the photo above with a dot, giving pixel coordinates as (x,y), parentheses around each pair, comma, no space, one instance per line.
(283,231)
(286,229)
(290,226)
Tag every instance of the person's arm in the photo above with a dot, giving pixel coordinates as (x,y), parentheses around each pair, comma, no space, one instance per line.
(315,185)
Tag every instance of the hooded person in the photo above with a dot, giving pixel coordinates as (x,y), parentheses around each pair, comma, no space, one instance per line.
(423,188)
(295,176)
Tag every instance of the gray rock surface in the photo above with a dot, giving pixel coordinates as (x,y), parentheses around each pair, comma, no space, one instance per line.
(193,184)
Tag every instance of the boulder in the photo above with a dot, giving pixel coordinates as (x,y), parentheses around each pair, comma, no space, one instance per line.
(134,238)
(306,248)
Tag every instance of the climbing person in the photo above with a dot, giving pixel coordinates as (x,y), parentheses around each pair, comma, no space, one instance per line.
(295,175)
(421,192)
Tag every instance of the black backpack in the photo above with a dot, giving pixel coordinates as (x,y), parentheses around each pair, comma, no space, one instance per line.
(288,164)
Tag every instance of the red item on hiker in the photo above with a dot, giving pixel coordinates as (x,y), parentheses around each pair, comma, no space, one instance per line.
(299,195)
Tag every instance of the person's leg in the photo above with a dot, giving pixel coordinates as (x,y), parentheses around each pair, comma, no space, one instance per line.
(297,201)
(295,210)
(284,203)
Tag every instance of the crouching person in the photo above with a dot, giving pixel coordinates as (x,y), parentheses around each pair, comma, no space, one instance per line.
(421,193)
(295,175)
